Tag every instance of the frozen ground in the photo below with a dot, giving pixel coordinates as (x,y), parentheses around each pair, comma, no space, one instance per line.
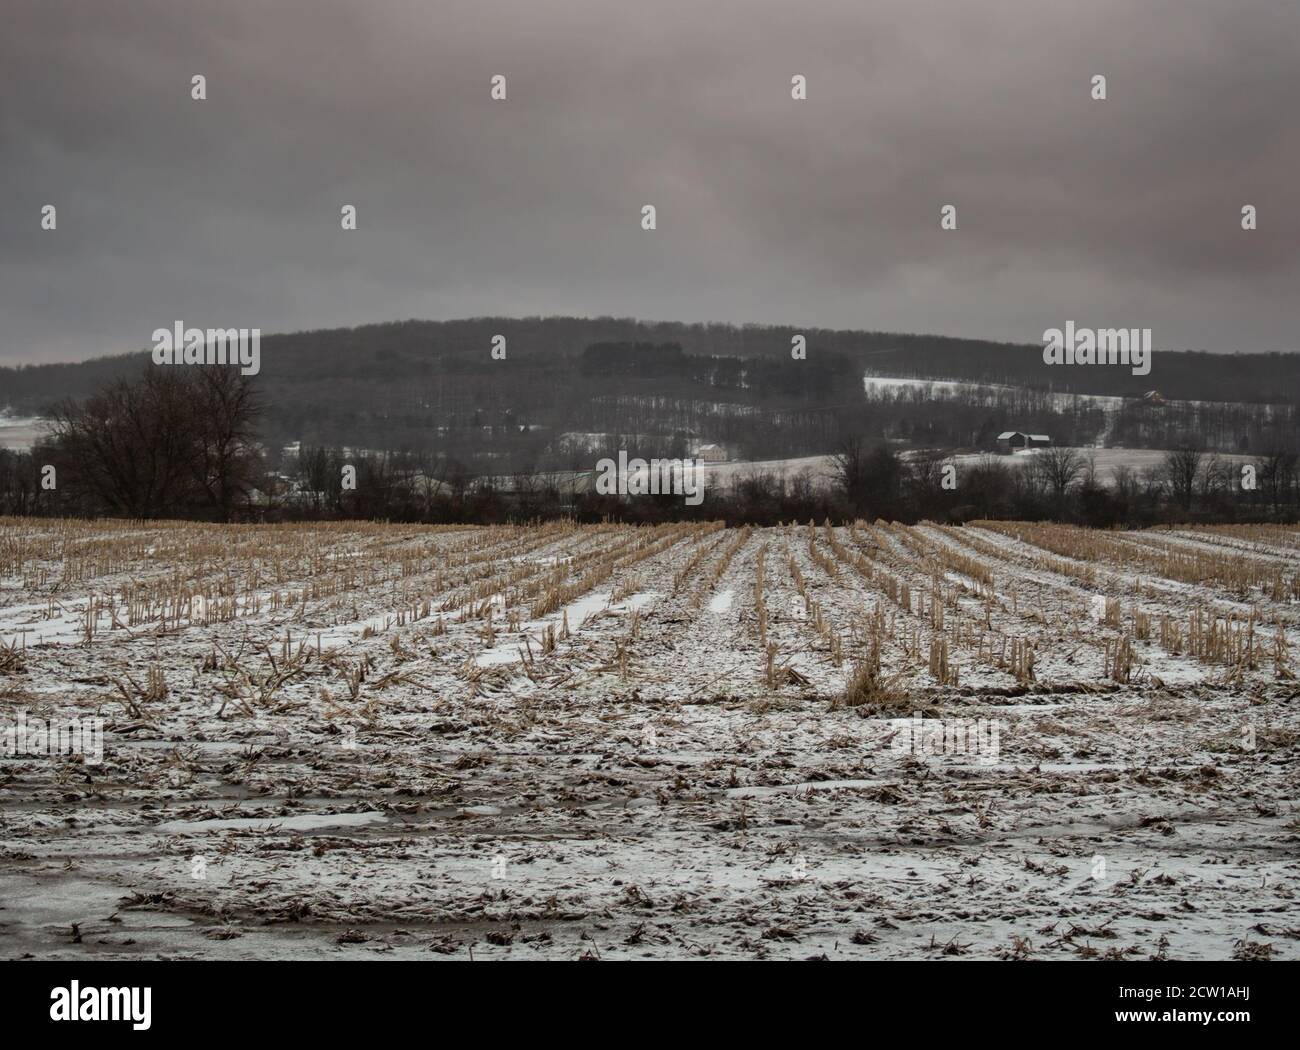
(1105,460)
(555,742)
(1061,399)
(19,432)
(950,387)
(821,469)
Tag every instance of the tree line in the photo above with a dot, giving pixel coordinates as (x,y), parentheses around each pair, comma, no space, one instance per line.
(186,443)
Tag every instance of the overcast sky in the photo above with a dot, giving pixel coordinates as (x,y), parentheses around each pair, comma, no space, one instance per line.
(823,212)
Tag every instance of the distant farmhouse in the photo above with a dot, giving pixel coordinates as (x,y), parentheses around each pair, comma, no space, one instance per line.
(711,454)
(1011,440)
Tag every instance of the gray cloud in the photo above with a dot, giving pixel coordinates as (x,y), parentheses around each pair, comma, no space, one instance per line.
(821,212)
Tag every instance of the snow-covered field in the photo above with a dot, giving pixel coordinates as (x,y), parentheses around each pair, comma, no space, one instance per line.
(821,469)
(879,385)
(555,741)
(1061,400)
(19,432)
(1105,461)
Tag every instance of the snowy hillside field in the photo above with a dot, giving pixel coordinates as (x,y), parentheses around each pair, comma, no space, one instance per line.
(19,432)
(821,470)
(877,741)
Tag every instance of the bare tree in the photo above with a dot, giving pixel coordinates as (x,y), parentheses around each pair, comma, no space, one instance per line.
(224,461)
(127,448)
(174,442)
(924,477)
(987,485)
(1153,482)
(868,477)
(1181,467)
(1059,466)
(1125,481)
(1089,469)
(1277,476)
(849,467)
(20,486)
(321,471)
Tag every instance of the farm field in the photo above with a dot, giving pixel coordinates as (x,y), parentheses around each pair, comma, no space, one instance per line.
(821,469)
(19,432)
(563,741)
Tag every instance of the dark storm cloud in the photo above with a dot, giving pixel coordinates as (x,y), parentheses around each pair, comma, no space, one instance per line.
(825,212)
